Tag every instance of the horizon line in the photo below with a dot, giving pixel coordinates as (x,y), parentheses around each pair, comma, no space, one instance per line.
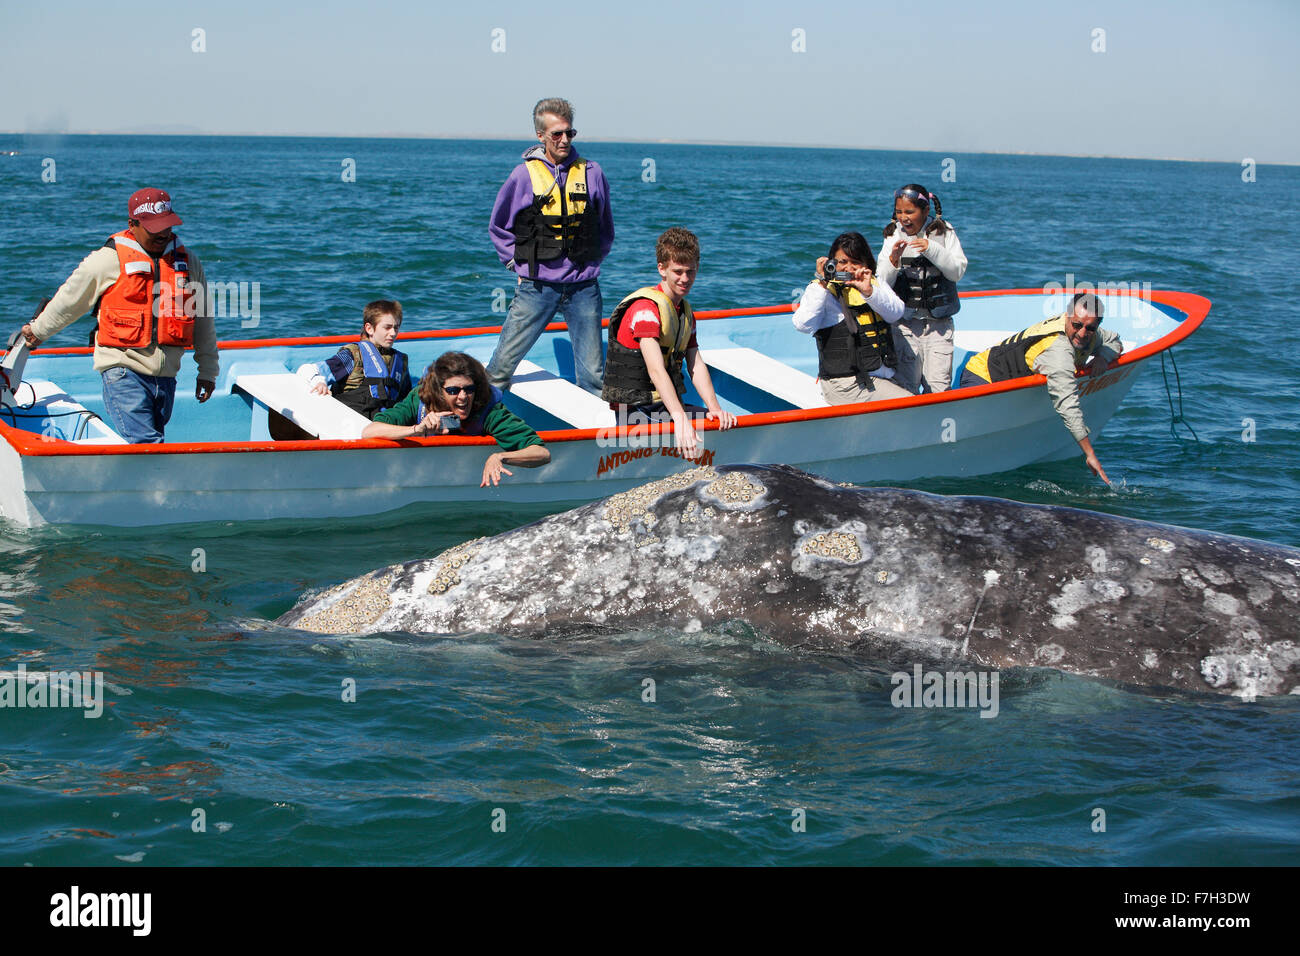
(664,142)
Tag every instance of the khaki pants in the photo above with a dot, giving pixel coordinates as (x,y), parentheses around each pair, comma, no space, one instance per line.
(844,391)
(924,346)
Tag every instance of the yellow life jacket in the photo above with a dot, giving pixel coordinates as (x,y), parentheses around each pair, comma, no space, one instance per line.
(560,223)
(860,344)
(627,380)
(1014,357)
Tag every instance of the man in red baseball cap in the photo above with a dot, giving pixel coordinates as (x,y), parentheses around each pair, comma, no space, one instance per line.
(147,292)
(152,208)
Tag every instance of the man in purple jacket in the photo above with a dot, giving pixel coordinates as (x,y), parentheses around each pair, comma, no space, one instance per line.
(552,226)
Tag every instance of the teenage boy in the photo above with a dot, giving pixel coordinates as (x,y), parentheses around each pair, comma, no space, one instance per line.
(370,375)
(651,335)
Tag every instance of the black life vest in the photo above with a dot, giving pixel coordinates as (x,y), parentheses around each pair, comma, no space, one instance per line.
(858,345)
(381,387)
(561,222)
(627,380)
(1014,357)
(921,285)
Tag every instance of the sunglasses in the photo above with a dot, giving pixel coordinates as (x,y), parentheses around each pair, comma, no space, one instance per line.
(559,134)
(919,198)
(454,390)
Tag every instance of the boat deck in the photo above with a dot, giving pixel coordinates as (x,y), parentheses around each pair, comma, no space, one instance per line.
(758,362)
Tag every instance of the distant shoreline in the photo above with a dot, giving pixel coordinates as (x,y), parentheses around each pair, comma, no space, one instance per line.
(656,142)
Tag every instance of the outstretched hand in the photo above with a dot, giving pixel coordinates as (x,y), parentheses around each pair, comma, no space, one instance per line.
(1095,467)
(493,469)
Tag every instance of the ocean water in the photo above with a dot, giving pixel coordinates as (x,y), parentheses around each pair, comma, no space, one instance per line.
(215,716)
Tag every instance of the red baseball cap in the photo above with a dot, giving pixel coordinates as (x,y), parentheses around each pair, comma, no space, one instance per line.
(153,208)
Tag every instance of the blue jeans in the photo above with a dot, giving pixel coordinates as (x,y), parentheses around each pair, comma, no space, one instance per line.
(139,405)
(534,305)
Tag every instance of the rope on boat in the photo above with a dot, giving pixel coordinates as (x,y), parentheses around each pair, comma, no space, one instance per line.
(80,431)
(1175,417)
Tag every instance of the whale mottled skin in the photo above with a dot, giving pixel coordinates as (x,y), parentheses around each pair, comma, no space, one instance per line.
(900,575)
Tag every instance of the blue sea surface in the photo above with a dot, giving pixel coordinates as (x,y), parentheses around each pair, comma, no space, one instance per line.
(486,749)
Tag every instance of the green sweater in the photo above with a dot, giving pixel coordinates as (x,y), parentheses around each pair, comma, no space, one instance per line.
(510,431)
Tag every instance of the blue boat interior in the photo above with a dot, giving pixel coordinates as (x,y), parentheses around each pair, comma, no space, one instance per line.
(745,382)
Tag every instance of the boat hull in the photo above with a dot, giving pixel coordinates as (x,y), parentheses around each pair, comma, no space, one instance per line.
(960,432)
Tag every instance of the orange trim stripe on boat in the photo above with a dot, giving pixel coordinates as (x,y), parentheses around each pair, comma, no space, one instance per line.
(1195,307)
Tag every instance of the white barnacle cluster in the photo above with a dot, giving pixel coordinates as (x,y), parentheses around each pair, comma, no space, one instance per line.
(628,508)
(834,544)
(357,607)
(821,551)
(692,513)
(735,488)
(453,559)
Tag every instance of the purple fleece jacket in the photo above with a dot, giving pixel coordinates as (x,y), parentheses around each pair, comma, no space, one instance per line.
(517,193)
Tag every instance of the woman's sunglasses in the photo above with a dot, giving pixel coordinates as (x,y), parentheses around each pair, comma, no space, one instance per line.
(454,390)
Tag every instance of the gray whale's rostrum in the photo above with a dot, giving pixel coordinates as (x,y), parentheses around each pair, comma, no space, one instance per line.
(898,575)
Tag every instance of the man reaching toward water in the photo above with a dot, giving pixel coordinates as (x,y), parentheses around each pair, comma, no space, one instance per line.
(1057,349)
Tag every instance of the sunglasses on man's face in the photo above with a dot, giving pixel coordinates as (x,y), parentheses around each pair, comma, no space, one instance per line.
(559,134)
(454,390)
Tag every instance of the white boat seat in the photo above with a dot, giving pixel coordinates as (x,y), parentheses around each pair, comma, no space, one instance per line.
(288,394)
(63,422)
(776,378)
(560,397)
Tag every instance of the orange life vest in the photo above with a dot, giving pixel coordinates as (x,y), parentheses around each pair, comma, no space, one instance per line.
(127,310)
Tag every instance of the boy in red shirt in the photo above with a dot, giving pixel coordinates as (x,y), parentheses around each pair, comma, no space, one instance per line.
(651,335)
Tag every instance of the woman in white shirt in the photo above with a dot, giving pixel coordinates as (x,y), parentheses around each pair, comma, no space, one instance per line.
(849,311)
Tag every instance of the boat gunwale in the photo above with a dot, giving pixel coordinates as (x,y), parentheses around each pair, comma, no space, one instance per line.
(1195,307)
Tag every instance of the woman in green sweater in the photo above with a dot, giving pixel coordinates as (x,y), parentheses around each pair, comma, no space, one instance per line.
(454,398)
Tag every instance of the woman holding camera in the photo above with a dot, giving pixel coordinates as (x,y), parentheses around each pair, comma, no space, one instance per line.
(849,311)
(454,398)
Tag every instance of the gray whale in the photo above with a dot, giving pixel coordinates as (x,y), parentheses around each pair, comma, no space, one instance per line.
(901,575)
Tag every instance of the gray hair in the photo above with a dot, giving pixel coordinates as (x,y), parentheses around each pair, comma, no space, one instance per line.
(561,108)
(1091,304)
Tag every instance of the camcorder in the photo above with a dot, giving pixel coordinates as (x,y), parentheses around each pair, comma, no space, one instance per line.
(831,274)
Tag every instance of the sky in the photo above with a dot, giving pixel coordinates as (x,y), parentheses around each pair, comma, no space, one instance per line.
(1143,78)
